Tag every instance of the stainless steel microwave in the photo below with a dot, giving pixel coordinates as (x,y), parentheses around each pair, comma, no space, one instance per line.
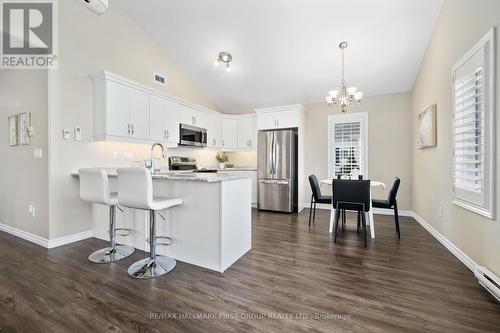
(192,136)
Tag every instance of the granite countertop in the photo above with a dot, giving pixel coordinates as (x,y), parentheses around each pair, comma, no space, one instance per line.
(236,168)
(187,176)
(201,176)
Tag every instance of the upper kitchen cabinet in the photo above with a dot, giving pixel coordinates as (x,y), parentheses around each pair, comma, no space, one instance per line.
(279,117)
(121,112)
(163,120)
(229,133)
(193,116)
(247,132)
(139,113)
(214,130)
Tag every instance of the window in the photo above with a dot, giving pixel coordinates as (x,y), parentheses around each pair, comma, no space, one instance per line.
(473,128)
(347,147)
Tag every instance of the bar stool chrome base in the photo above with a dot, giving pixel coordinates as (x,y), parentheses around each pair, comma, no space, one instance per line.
(109,254)
(150,268)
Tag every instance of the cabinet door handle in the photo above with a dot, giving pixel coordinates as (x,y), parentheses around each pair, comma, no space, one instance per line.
(168,134)
(133,129)
(128,130)
(164,134)
(222,142)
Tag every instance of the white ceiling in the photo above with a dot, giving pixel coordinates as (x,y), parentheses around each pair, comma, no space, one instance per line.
(286,51)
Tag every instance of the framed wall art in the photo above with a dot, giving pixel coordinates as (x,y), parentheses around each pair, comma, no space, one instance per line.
(427,132)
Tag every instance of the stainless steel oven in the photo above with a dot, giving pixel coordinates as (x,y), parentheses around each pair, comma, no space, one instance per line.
(192,136)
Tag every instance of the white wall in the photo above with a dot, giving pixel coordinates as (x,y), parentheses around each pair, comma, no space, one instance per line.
(389,142)
(89,43)
(23,179)
(460,25)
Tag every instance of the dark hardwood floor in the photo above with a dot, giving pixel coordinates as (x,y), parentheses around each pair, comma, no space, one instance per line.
(295,279)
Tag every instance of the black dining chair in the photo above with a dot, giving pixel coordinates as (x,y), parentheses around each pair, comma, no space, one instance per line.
(353,195)
(316,197)
(390,202)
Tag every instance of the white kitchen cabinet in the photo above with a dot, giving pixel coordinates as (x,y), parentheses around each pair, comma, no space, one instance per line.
(123,111)
(247,133)
(214,130)
(277,119)
(163,120)
(193,116)
(128,111)
(229,133)
(117,121)
(139,113)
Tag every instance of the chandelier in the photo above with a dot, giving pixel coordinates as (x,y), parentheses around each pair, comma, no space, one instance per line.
(345,96)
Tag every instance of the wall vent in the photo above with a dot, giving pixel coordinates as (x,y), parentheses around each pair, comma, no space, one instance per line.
(159,78)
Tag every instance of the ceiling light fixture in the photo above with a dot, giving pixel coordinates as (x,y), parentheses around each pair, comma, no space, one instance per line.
(345,96)
(224,58)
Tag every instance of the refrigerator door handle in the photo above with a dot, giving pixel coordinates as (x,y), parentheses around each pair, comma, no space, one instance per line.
(270,150)
(278,182)
(274,154)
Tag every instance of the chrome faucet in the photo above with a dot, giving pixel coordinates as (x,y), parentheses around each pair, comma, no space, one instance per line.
(151,165)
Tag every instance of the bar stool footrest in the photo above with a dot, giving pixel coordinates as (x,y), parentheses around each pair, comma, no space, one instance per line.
(170,241)
(127,232)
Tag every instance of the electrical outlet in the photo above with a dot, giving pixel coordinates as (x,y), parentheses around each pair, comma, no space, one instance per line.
(32,210)
(440,211)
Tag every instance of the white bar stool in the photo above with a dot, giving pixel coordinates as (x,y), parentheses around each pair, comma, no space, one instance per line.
(94,188)
(135,190)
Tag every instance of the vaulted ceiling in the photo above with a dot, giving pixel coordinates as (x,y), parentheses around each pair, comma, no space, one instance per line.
(286,51)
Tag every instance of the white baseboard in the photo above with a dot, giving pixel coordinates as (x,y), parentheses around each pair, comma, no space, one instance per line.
(471,264)
(70,239)
(42,241)
(379,211)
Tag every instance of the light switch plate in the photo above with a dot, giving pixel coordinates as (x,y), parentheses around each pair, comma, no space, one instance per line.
(38,153)
(66,134)
(78,134)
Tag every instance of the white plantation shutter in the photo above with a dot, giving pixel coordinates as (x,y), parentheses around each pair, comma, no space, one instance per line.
(468,129)
(346,144)
(347,147)
(472,130)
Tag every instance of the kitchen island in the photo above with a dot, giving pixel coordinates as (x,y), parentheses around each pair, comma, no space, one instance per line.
(211,229)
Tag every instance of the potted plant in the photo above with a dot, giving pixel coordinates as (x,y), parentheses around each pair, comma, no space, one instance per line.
(222,158)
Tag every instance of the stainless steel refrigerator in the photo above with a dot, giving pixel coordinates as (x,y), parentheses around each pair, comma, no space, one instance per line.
(277,170)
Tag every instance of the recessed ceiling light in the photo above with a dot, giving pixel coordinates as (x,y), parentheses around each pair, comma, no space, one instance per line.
(224,58)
